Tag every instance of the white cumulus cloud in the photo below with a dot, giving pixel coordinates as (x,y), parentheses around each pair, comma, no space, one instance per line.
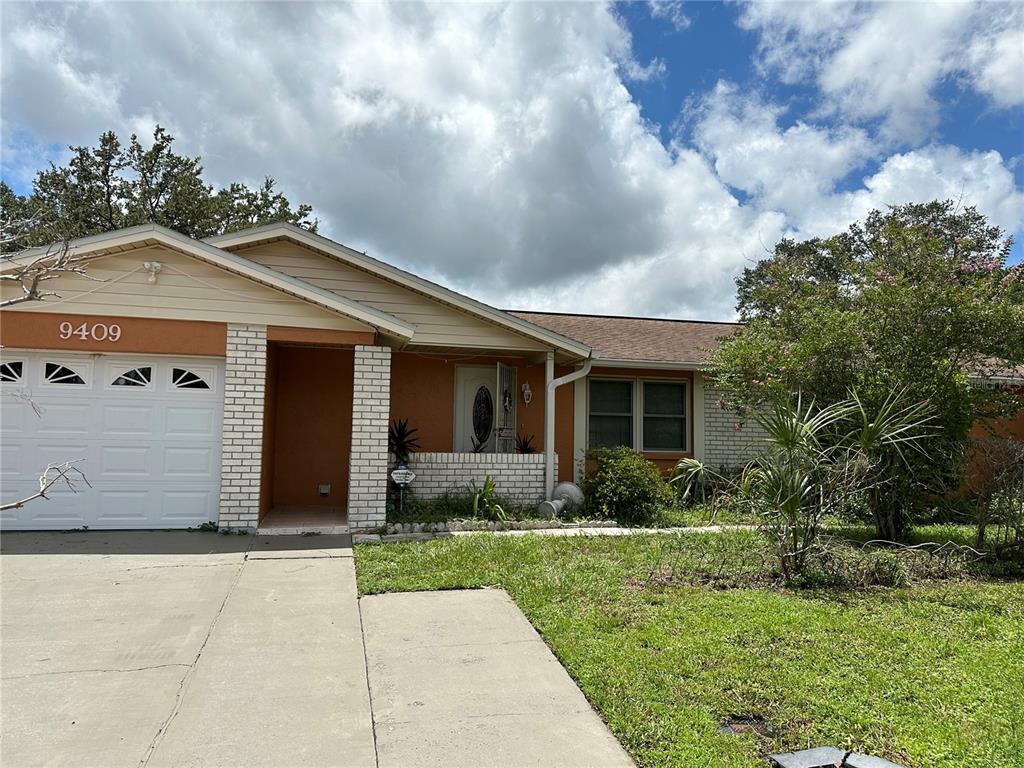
(496,148)
(880,60)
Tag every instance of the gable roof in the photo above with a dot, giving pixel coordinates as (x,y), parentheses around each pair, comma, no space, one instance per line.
(639,340)
(512,322)
(154,234)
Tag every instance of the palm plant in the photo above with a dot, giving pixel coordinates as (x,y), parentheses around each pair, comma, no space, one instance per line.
(402,440)
(818,462)
(524,444)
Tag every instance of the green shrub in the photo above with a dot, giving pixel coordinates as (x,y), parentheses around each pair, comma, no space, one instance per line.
(453,505)
(624,486)
(457,504)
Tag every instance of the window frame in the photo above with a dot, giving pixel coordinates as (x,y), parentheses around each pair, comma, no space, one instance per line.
(637,432)
(685,416)
(632,402)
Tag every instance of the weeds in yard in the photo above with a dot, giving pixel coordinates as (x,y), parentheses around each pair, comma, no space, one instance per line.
(671,636)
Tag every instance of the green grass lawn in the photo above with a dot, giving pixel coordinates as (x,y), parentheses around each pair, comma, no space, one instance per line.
(670,635)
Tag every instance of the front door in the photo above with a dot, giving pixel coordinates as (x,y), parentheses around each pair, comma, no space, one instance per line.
(475,407)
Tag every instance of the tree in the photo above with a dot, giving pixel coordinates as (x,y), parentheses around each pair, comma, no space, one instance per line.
(111,186)
(31,273)
(918,298)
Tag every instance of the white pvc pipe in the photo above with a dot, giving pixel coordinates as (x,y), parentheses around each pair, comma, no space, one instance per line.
(551,384)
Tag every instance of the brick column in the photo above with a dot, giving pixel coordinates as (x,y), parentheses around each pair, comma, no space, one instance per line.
(245,377)
(368,466)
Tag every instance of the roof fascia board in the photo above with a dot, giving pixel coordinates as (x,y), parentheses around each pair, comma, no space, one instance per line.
(406,279)
(667,365)
(226,260)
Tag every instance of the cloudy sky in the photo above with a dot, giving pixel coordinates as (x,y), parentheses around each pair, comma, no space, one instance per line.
(626,158)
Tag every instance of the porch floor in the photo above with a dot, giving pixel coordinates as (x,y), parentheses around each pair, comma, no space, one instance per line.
(289,521)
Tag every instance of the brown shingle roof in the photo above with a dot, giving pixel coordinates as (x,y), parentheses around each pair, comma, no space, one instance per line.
(636,338)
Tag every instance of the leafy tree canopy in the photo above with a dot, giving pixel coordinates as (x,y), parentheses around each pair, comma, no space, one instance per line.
(112,186)
(917,298)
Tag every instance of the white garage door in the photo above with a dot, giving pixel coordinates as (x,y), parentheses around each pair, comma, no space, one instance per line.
(147,431)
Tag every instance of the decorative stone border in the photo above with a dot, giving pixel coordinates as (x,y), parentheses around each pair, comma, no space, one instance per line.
(457,526)
(598,528)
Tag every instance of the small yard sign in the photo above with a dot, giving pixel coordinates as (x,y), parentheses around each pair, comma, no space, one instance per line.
(402,476)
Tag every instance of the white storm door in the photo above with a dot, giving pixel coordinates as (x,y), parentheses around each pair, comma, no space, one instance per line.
(508,396)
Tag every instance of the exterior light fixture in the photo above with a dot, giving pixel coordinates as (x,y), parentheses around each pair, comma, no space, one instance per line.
(527,393)
(153,267)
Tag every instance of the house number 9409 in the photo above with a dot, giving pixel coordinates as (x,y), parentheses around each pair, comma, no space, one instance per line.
(94,331)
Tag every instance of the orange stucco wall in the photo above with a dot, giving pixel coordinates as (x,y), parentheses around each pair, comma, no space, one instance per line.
(1013,428)
(309,432)
(1006,428)
(423,391)
(666,462)
(41,330)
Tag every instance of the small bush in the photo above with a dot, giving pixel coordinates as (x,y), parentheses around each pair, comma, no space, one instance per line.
(456,504)
(453,505)
(624,486)
(838,563)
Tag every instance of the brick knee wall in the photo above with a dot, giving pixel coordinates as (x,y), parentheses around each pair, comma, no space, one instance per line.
(245,374)
(517,477)
(368,465)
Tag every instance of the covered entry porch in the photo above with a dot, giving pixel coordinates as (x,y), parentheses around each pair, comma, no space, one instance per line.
(307,438)
(327,409)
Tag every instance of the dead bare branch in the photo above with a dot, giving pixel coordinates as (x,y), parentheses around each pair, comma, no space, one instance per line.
(25,396)
(29,274)
(65,473)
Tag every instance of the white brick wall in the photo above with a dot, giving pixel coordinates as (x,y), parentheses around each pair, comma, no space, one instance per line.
(517,477)
(729,441)
(368,466)
(245,376)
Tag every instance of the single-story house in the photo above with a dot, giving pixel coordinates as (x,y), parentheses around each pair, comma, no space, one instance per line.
(249,379)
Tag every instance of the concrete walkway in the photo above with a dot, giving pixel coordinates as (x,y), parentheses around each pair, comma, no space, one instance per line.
(149,649)
(461,678)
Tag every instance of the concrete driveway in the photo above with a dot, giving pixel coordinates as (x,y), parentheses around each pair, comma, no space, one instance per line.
(194,649)
(181,649)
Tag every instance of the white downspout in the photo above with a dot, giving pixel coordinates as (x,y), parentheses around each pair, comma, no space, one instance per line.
(549,413)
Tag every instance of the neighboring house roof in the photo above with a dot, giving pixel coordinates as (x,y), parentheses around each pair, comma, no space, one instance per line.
(638,340)
(523,326)
(153,234)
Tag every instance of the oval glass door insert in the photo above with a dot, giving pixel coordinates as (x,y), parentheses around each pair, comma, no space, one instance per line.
(483,414)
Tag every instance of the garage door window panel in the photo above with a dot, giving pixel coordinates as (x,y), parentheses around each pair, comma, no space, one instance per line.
(12,372)
(187,378)
(64,375)
(134,377)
